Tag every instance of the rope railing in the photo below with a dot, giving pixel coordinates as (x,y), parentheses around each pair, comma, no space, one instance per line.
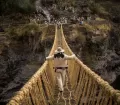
(88,87)
(40,88)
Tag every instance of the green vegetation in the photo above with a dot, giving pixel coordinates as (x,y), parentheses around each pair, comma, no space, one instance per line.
(102,27)
(96,8)
(112,8)
(89,28)
(26,29)
(77,35)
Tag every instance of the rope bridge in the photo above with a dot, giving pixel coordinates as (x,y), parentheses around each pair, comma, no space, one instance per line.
(83,85)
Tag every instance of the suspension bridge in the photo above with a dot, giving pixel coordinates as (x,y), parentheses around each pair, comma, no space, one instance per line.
(83,86)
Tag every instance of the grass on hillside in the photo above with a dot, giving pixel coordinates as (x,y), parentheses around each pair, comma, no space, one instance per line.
(112,7)
(104,27)
(48,34)
(76,35)
(27,29)
(96,8)
(101,27)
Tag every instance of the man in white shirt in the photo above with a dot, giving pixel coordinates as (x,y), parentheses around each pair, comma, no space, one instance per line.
(60,66)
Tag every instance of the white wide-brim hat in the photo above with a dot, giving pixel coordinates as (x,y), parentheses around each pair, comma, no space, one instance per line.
(59,49)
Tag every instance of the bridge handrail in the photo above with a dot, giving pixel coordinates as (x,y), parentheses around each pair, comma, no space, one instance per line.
(40,88)
(25,91)
(105,85)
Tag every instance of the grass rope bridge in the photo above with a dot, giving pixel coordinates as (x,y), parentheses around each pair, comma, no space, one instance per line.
(83,86)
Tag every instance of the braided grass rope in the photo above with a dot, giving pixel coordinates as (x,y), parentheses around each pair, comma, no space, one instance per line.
(88,87)
(32,92)
(111,95)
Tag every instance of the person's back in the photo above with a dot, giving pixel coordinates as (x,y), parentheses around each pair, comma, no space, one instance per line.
(60,66)
(60,62)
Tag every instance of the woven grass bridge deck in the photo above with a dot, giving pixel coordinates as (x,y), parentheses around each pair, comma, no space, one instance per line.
(83,86)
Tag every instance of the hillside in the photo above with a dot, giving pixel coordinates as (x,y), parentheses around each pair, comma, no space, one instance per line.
(27,33)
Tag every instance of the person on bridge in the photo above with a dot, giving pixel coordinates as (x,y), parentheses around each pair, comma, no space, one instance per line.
(60,66)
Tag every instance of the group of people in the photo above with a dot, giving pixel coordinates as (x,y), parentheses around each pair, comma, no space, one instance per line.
(81,20)
(63,21)
(60,66)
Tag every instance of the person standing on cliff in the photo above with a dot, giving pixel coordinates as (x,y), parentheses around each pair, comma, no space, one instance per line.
(60,66)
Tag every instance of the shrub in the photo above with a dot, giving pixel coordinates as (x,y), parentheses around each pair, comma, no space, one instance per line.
(104,27)
(98,9)
(27,29)
(77,36)
(89,28)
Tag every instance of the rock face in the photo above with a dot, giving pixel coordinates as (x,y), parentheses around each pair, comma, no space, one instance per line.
(52,10)
(116,83)
(101,52)
(101,55)
(20,58)
(105,56)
